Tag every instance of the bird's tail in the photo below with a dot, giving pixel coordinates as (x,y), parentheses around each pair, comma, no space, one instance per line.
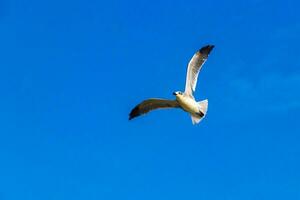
(203,105)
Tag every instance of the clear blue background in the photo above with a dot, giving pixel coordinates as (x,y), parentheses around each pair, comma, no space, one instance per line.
(70,72)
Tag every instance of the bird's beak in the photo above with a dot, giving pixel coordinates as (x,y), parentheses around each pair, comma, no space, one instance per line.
(174,93)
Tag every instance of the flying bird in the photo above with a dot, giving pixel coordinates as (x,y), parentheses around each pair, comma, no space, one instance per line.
(184,100)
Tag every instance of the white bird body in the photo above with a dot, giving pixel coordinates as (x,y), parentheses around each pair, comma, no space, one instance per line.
(188,103)
(184,100)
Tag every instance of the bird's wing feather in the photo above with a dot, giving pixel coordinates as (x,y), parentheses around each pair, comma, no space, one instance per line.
(151,104)
(194,67)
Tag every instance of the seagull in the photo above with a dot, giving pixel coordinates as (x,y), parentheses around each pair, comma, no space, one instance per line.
(184,100)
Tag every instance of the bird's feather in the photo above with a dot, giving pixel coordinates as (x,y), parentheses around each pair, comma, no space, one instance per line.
(151,104)
(194,67)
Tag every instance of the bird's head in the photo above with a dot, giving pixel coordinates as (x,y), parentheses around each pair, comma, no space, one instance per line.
(177,93)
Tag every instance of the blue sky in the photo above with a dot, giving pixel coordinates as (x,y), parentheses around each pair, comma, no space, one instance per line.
(72,70)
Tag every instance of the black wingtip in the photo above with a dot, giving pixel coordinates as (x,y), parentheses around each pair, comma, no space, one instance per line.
(134,113)
(206,49)
(131,117)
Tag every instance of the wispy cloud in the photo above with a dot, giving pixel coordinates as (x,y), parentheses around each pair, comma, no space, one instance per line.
(271,92)
(272,82)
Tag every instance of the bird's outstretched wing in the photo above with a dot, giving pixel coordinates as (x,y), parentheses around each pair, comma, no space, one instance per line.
(151,104)
(194,67)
